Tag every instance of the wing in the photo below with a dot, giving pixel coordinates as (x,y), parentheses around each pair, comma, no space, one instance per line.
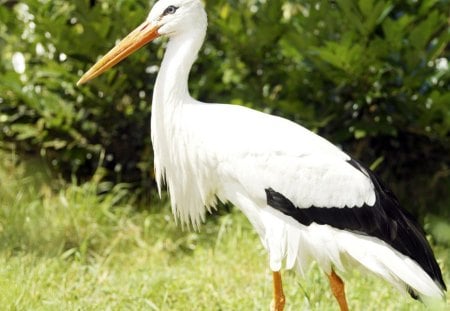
(385,220)
(261,151)
(281,164)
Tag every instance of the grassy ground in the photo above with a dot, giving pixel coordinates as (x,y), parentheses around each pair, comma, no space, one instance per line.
(72,249)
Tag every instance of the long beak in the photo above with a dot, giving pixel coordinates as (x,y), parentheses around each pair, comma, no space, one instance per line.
(134,41)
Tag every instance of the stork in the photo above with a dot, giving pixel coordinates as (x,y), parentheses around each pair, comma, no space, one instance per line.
(307,199)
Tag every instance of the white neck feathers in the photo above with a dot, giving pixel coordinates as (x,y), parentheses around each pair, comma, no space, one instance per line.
(171,87)
(170,95)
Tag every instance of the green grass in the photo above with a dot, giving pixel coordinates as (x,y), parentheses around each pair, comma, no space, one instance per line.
(65,247)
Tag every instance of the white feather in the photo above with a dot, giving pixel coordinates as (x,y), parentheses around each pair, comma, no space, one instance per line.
(209,151)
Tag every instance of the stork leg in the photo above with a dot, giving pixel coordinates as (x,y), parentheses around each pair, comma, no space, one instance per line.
(337,287)
(278,295)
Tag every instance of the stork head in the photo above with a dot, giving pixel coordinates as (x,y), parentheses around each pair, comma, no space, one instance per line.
(174,17)
(169,18)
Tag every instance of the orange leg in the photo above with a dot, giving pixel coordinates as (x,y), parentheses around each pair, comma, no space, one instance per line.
(278,295)
(337,287)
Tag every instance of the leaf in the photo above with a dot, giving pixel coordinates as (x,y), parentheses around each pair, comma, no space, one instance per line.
(24,131)
(55,144)
(421,34)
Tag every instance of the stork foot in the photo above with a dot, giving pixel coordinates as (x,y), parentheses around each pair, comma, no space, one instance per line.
(337,287)
(278,300)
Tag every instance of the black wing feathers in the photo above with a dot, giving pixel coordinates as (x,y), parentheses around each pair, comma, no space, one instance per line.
(385,220)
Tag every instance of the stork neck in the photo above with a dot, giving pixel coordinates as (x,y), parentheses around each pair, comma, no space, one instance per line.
(172,82)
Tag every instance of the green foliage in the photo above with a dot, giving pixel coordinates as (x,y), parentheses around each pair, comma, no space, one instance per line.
(369,75)
(42,109)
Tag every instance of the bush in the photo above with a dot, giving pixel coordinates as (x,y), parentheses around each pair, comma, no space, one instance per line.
(371,76)
(77,129)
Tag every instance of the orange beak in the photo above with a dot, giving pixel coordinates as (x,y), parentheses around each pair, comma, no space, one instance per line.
(139,37)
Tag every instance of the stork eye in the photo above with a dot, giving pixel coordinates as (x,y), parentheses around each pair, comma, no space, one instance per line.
(170,10)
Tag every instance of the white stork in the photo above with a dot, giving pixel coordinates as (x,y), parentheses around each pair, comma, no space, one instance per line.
(306,198)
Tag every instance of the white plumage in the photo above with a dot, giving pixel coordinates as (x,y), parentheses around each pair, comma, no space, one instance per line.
(206,152)
(215,146)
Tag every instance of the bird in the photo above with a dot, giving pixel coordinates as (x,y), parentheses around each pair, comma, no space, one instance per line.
(306,198)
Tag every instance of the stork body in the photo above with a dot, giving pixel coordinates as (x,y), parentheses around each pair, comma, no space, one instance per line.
(306,198)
